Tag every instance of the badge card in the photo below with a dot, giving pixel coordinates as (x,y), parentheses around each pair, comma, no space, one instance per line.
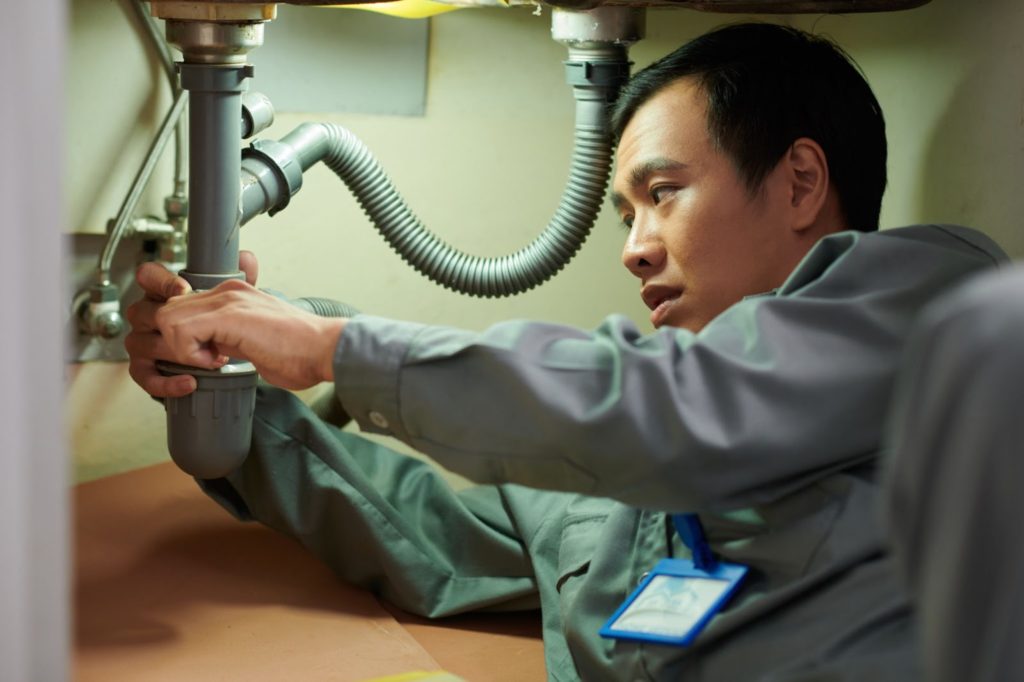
(674,602)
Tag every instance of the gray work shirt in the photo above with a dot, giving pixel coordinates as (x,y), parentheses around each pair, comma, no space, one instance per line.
(768,423)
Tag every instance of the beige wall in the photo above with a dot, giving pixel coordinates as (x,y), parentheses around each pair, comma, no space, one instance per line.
(486,165)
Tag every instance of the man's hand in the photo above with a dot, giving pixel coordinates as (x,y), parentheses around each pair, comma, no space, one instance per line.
(289,347)
(144,344)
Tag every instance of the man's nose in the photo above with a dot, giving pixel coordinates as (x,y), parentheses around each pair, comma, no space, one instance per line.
(643,252)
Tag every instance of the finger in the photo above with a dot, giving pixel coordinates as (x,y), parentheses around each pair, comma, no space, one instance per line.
(189,336)
(147,346)
(188,351)
(249,265)
(141,315)
(145,374)
(182,311)
(159,283)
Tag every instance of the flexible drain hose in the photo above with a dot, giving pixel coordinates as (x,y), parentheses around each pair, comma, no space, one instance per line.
(325,307)
(446,265)
(272,171)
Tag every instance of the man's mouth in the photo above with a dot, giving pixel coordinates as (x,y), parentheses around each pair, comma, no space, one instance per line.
(660,300)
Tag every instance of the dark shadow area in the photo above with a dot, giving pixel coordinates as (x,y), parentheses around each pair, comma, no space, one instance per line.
(514,624)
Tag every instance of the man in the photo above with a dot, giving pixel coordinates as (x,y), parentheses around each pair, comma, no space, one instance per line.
(751,165)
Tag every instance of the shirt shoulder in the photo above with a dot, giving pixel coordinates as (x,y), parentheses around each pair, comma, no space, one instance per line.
(904,254)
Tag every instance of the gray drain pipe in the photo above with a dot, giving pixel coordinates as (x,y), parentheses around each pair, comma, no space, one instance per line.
(598,64)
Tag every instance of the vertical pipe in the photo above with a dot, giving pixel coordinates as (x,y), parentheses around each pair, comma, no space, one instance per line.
(209,431)
(215,115)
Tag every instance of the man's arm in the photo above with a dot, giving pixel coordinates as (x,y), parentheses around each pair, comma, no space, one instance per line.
(777,392)
(774,393)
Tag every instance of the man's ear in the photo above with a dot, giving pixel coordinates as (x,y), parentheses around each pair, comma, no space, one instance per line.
(809,182)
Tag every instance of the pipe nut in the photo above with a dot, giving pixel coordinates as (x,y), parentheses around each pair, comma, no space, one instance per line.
(176,207)
(104,293)
(597,74)
(213,42)
(109,325)
(617,25)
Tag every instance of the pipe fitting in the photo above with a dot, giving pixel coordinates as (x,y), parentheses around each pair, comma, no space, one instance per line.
(605,67)
(598,41)
(102,315)
(257,113)
(149,227)
(176,209)
(601,26)
(274,168)
(215,78)
(211,42)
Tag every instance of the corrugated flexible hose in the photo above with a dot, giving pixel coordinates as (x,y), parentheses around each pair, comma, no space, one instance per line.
(507,275)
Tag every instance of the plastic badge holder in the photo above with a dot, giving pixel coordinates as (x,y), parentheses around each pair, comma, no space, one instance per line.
(674,602)
(209,431)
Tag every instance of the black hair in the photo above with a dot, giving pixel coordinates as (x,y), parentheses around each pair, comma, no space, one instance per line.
(767,86)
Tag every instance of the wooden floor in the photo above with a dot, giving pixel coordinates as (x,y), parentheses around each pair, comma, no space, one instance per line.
(169,587)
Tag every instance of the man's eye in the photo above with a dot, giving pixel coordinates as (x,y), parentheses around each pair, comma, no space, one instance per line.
(661,192)
(627,222)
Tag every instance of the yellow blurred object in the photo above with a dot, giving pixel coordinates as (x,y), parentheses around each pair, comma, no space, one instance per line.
(436,676)
(406,9)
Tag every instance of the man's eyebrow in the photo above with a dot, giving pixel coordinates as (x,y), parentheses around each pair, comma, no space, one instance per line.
(617,201)
(638,176)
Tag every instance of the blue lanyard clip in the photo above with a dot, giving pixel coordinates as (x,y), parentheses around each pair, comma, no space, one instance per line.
(691,532)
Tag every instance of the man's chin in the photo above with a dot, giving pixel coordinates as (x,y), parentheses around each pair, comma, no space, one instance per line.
(680,322)
(673,324)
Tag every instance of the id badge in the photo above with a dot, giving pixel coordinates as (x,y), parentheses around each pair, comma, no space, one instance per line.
(674,602)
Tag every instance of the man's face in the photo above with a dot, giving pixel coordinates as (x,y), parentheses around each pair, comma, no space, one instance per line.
(697,238)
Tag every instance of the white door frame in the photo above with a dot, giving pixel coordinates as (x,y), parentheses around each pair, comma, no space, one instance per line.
(34,536)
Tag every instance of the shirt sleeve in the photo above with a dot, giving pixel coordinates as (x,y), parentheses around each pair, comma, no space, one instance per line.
(777,391)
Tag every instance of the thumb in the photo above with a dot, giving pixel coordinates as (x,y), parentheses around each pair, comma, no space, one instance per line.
(248,264)
(158,283)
